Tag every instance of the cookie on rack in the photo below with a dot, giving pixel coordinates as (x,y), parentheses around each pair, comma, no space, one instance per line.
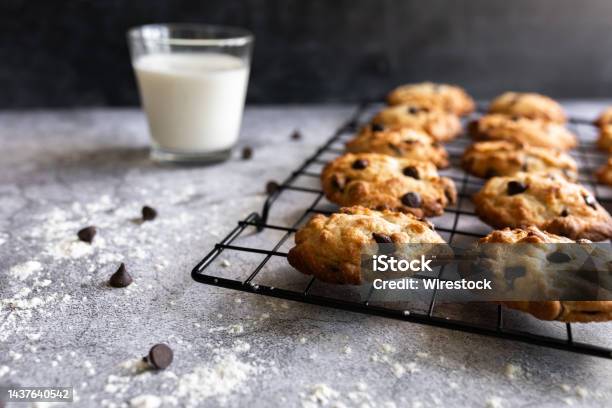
(528,105)
(398,142)
(504,158)
(384,182)
(604,118)
(565,311)
(521,130)
(604,141)
(449,98)
(546,200)
(604,173)
(440,125)
(330,247)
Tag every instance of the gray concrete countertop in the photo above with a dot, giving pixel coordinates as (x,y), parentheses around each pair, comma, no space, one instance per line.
(61,325)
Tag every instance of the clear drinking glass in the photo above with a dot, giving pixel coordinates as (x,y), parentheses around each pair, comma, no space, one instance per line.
(192,80)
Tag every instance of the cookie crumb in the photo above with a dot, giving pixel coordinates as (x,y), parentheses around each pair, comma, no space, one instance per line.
(512,371)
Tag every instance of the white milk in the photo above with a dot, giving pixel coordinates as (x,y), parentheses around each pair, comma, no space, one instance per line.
(194,102)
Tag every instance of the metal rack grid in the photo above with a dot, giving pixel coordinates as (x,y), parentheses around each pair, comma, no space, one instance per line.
(586,156)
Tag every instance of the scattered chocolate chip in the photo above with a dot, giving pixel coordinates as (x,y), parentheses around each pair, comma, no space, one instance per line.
(511,273)
(338,182)
(296,135)
(247,152)
(382,238)
(524,167)
(411,171)
(148,213)
(516,187)
(412,110)
(412,200)
(360,164)
(514,118)
(377,127)
(160,356)
(87,234)
(590,201)
(558,257)
(396,149)
(121,278)
(565,212)
(272,187)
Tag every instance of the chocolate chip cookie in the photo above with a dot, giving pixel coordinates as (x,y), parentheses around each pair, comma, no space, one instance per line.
(384,182)
(329,248)
(565,311)
(527,131)
(399,142)
(546,200)
(605,118)
(604,173)
(440,125)
(449,98)
(604,142)
(528,105)
(504,158)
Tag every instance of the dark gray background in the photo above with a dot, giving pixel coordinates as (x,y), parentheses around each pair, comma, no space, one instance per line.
(73,53)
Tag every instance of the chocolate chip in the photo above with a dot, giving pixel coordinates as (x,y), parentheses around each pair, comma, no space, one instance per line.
(338,182)
(272,187)
(377,127)
(590,201)
(558,257)
(247,153)
(516,187)
(382,238)
(160,356)
(524,167)
(296,135)
(87,234)
(121,278)
(514,118)
(412,200)
(396,149)
(411,171)
(565,212)
(148,213)
(412,110)
(360,164)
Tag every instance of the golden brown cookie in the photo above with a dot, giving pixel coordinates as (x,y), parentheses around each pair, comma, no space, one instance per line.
(528,105)
(449,98)
(384,182)
(521,130)
(604,142)
(441,126)
(565,311)
(605,118)
(398,142)
(330,248)
(504,158)
(604,173)
(546,200)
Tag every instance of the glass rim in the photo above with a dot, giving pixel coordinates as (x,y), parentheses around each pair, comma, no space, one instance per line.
(236,36)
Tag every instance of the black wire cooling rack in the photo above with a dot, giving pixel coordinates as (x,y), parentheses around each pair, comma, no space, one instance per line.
(260,245)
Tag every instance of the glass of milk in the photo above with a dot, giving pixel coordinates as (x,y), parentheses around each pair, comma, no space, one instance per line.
(192,80)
